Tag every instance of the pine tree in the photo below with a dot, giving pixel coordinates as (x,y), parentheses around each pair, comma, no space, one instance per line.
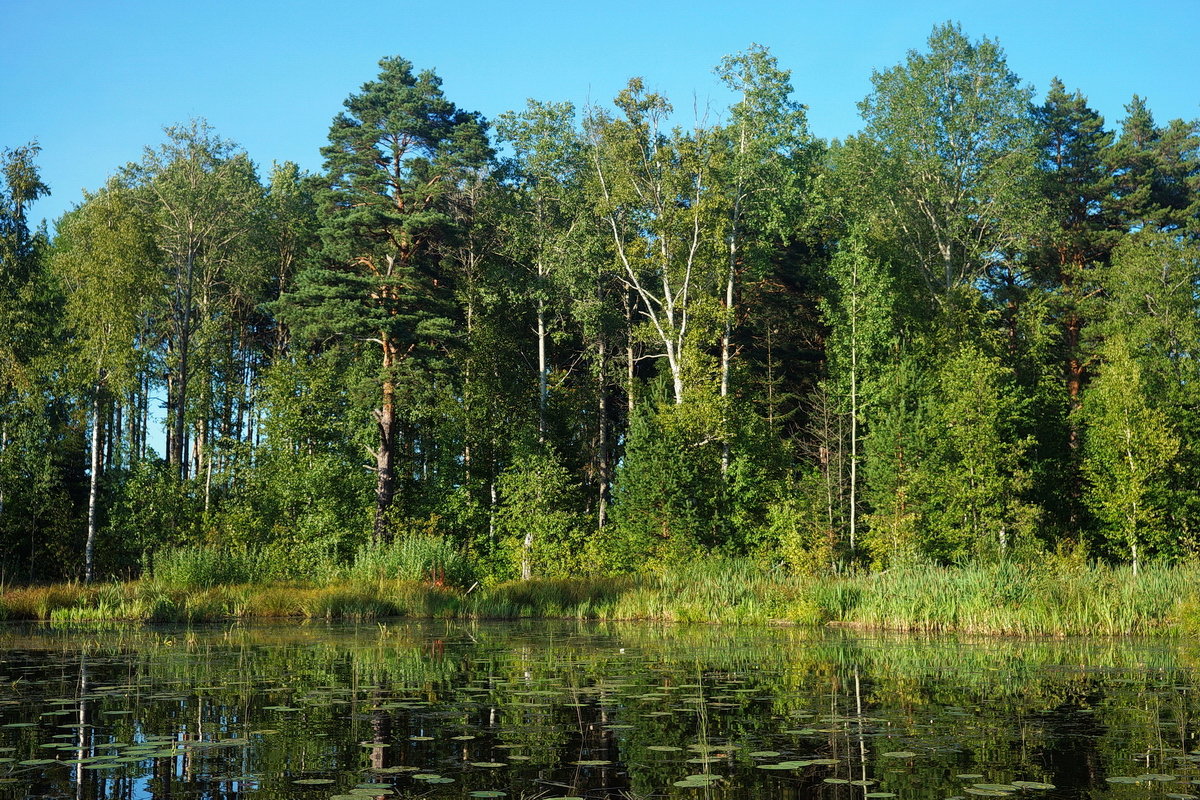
(393,159)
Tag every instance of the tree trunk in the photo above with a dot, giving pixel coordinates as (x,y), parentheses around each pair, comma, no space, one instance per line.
(854,412)
(112,445)
(853,450)
(543,369)
(178,458)
(526,547)
(385,455)
(727,332)
(629,359)
(3,447)
(171,443)
(675,362)
(89,548)
(602,441)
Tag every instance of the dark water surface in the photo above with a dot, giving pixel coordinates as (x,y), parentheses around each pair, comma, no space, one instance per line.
(546,710)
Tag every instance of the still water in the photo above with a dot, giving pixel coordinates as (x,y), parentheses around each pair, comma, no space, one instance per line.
(554,710)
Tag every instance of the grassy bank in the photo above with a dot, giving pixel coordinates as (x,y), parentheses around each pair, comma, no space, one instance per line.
(1054,598)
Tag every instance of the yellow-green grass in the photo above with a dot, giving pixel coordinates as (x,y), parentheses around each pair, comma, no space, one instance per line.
(1056,598)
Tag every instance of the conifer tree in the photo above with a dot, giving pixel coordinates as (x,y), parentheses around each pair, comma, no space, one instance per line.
(394,157)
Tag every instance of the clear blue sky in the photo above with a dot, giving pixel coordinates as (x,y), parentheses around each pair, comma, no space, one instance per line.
(94,82)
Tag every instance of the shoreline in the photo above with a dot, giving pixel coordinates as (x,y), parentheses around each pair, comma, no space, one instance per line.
(1001,600)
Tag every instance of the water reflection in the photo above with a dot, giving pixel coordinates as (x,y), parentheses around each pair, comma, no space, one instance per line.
(565,710)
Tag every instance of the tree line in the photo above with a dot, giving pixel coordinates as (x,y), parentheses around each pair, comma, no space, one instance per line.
(584,341)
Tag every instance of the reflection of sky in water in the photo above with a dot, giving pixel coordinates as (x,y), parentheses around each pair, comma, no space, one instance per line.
(552,710)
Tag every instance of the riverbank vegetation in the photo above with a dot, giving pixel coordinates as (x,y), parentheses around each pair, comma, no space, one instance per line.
(1061,597)
(597,363)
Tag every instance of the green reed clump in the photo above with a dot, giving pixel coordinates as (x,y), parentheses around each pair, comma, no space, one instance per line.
(350,602)
(575,598)
(195,567)
(39,602)
(413,558)
(1050,598)
(719,589)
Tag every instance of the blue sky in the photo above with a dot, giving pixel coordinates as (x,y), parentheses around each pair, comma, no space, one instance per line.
(95,82)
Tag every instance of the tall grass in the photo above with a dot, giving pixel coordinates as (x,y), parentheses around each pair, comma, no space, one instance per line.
(205,567)
(1057,597)
(1048,599)
(413,558)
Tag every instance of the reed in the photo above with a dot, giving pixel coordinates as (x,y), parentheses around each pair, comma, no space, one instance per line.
(1056,597)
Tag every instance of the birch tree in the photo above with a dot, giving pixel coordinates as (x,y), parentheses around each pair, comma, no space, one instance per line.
(200,190)
(547,167)
(105,259)
(950,158)
(765,163)
(652,190)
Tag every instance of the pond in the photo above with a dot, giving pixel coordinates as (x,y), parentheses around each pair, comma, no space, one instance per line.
(555,710)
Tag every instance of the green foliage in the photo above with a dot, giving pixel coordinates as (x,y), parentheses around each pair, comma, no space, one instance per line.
(1128,445)
(668,492)
(798,527)
(974,476)
(537,522)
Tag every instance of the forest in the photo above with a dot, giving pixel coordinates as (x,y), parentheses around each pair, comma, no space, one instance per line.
(599,341)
